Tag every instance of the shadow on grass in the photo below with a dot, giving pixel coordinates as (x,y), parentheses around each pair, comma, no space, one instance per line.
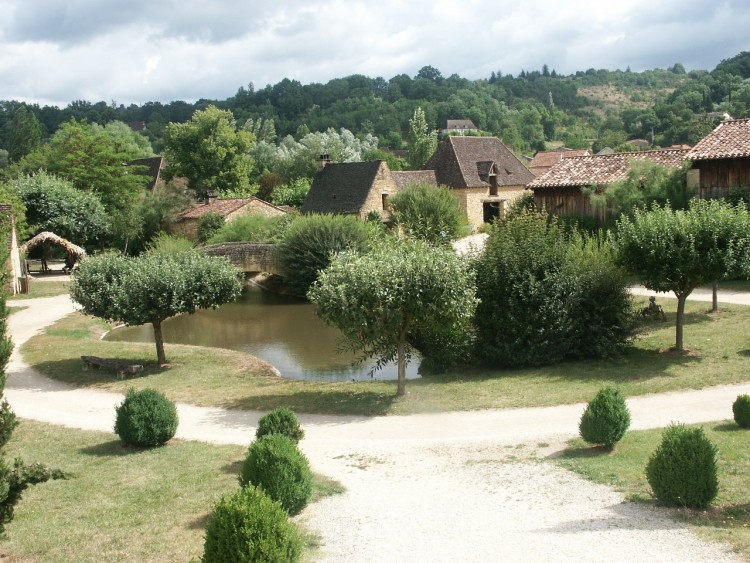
(578,452)
(338,402)
(113,448)
(200,523)
(233,468)
(728,516)
(71,370)
(728,427)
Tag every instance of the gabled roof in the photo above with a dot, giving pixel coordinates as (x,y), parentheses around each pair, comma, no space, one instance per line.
(598,170)
(730,139)
(461,162)
(461,124)
(405,178)
(223,207)
(153,167)
(342,187)
(544,160)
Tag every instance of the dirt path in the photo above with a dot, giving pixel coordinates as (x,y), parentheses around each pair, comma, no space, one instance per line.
(470,486)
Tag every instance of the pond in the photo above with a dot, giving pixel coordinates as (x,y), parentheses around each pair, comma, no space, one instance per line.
(281,330)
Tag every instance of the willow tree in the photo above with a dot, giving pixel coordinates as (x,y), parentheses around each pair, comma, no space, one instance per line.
(153,288)
(377,299)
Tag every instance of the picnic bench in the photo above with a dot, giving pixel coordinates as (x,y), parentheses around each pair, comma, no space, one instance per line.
(118,366)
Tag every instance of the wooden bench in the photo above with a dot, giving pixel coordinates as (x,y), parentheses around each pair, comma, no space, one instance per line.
(121,368)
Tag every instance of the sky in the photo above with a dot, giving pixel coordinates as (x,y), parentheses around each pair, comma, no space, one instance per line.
(53,52)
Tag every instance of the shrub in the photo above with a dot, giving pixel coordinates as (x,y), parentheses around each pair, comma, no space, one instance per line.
(280,421)
(253,228)
(427,213)
(682,470)
(247,526)
(275,465)
(146,418)
(606,418)
(8,422)
(741,410)
(170,245)
(546,295)
(208,225)
(311,240)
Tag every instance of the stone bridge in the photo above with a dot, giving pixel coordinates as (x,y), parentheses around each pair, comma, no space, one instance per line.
(246,256)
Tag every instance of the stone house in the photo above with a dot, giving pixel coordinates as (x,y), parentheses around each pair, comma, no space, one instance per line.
(484,175)
(559,190)
(186,224)
(351,188)
(459,127)
(722,159)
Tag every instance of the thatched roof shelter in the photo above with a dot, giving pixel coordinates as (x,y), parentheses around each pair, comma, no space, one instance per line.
(51,238)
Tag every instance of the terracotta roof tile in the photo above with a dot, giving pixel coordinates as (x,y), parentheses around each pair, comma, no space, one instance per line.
(221,207)
(730,139)
(603,169)
(342,187)
(544,160)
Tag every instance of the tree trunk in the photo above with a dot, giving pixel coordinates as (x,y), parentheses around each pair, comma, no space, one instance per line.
(159,340)
(681,298)
(715,298)
(401,357)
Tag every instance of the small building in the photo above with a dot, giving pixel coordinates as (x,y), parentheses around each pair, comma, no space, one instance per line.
(459,127)
(559,191)
(186,224)
(544,160)
(484,174)
(722,159)
(13,263)
(351,188)
(151,167)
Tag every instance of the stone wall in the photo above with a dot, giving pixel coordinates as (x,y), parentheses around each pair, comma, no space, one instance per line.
(246,256)
(472,201)
(383,184)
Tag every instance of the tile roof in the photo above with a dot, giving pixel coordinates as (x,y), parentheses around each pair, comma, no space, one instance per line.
(342,187)
(403,179)
(544,160)
(153,167)
(603,169)
(221,207)
(461,162)
(730,139)
(460,124)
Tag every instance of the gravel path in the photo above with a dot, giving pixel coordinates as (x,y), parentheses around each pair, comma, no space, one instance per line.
(471,486)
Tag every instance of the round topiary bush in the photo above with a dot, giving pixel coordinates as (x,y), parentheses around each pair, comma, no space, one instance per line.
(145,418)
(606,418)
(8,422)
(682,470)
(247,526)
(280,421)
(741,410)
(275,465)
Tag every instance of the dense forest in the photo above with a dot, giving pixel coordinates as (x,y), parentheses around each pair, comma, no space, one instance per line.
(531,111)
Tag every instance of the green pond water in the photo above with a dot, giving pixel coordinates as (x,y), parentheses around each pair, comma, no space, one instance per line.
(282,331)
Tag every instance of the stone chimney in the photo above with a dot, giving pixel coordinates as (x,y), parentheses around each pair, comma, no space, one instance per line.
(210,197)
(323,161)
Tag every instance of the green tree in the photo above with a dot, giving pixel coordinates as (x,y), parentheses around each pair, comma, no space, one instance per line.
(209,151)
(153,287)
(428,213)
(25,133)
(378,298)
(679,250)
(53,204)
(423,142)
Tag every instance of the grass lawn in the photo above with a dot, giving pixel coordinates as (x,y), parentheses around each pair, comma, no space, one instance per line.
(719,354)
(121,503)
(44,289)
(727,520)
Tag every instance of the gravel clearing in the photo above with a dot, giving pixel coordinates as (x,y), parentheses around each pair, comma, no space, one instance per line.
(474,486)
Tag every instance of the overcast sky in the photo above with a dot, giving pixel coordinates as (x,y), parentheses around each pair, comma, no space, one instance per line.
(134,51)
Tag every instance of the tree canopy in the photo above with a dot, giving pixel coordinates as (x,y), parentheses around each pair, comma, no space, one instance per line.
(428,213)
(377,299)
(153,287)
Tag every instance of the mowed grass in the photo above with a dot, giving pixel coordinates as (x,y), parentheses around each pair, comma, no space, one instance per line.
(727,520)
(120,503)
(718,343)
(44,289)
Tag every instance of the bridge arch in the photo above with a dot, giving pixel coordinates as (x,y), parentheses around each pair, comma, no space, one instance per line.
(247,256)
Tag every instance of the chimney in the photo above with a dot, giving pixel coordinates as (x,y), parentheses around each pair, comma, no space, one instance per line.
(210,197)
(324,160)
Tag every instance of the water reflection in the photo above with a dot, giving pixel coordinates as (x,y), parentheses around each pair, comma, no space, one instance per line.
(283,331)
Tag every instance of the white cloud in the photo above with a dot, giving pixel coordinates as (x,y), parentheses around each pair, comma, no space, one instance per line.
(140,51)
